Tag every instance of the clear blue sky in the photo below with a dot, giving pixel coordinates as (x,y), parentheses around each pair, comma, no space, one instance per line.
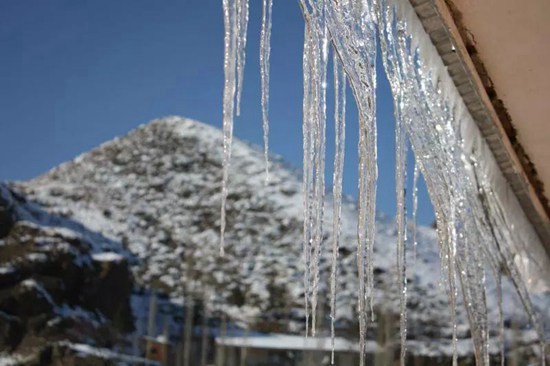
(74,74)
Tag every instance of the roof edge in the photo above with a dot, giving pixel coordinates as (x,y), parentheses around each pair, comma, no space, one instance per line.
(455,48)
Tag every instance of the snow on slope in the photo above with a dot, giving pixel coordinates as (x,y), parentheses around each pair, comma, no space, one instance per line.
(157,190)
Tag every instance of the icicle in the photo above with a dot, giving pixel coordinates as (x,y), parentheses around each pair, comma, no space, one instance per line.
(385,24)
(265,50)
(500,319)
(361,249)
(399,66)
(242,26)
(352,28)
(319,189)
(316,47)
(414,208)
(307,172)
(230,55)
(493,216)
(385,18)
(453,293)
(400,177)
(433,124)
(235,15)
(340,135)
(474,219)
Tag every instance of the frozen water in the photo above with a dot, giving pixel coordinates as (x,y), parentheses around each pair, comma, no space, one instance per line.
(414,208)
(474,227)
(352,28)
(241,7)
(230,56)
(307,178)
(235,15)
(400,177)
(315,69)
(435,117)
(265,50)
(339,143)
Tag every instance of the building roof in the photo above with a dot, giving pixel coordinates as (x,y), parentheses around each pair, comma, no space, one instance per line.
(288,342)
(496,55)
(274,341)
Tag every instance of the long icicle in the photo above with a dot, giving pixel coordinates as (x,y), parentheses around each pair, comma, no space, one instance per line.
(353,31)
(367,197)
(435,131)
(397,63)
(230,56)
(400,177)
(414,208)
(320,70)
(450,265)
(385,18)
(242,26)
(316,45)
(340,137)
(307,173)
(498,279)
(265,50)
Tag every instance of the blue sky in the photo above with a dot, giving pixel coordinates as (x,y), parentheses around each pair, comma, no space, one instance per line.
(74,74)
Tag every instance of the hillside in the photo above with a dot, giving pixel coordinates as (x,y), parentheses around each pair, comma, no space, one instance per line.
(156,193)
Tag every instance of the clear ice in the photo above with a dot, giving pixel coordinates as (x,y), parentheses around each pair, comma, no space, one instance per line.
(436,119)
(352,29)
(307,179)
(235,17)
(474,226)
(339,149)
(265,50)
(314,112)
(414,207)
(242,25)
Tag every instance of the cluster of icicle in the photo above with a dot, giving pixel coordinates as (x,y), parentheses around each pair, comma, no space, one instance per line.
(473,229)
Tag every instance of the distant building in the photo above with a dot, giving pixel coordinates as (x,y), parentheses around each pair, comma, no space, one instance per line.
(158,349)
(283,350)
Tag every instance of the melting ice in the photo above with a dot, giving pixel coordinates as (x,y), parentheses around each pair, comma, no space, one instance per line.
(473,222)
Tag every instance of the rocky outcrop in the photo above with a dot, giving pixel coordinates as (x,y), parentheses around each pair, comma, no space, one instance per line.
(71,354)
(57,284)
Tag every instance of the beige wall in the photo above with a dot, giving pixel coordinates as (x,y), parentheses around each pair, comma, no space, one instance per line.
(512,38)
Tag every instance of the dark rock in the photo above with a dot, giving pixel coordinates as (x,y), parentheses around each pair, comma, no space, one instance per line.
(11,332)
(26,299)
(6,216)
(52,290)
(109,292)
(9,277)
(62,354)
(6,221)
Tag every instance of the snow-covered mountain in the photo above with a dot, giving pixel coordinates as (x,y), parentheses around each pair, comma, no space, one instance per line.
(157,192)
